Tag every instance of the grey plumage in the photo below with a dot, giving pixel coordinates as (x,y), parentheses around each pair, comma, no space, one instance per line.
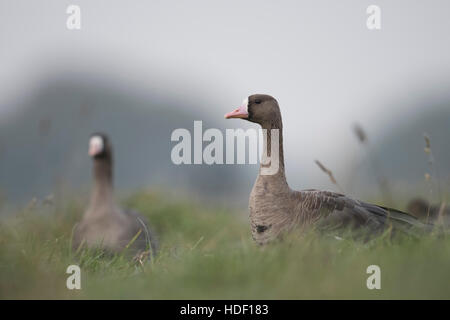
(104,224)
(275,208)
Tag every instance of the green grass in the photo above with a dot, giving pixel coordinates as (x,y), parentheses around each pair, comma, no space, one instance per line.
(207,253)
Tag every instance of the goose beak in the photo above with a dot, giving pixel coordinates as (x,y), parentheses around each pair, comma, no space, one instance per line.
(93,151)
(240,112)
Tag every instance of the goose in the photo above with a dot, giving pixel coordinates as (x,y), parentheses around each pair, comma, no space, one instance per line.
(104,224)
(276,209)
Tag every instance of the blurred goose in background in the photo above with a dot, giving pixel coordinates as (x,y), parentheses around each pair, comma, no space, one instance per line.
(424,211)
(104,224)
(276,209)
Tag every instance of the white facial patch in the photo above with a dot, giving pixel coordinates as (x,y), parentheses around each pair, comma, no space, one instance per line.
(245,103)
(96,145)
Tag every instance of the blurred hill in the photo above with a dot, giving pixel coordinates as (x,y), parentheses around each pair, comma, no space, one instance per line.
(43,145)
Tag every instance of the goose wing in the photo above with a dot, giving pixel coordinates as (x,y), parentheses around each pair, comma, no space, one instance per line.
(148,238)
(335,210)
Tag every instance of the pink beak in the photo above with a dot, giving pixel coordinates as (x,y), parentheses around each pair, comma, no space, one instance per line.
(240,112)
(93,150)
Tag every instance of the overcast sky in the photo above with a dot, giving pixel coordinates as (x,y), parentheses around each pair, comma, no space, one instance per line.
(317,57)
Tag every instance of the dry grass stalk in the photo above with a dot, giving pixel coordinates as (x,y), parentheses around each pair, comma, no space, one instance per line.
(441,212)
(427,148)
(383,182)
(330,174)
(433,167)
(360,133)
(142,257)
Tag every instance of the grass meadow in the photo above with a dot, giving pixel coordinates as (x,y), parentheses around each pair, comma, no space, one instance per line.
(208,253)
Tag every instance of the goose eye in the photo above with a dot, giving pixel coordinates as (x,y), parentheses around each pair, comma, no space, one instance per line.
(257,101)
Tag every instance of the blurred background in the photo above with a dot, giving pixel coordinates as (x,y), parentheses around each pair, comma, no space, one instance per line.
(139,70)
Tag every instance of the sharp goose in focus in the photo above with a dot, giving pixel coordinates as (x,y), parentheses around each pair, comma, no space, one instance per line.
(275,208)
(104,224)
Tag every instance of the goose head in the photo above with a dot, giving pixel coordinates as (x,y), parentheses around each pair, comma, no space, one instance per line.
(99,146)
(258,108)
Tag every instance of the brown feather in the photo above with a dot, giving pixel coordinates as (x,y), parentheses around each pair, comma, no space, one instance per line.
(276,209)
